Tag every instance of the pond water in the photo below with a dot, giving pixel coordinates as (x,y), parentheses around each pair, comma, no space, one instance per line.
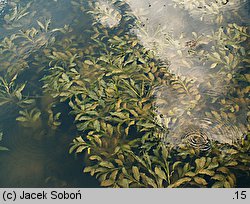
(124,93)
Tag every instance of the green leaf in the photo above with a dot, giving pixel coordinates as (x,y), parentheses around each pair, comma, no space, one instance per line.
(40,24)
(180,182)
(164,153)
(206,172)
(134,113)
(218,184)
(231,180)
(119,162)
(80,149)
(83,118)
(200,163)
(147,125)
(88,62)
(200,181)
(227,184)
(176,164)
(4,102)
(3,148)
(136,173)
(97,125)
(36,116)
(106,164)
(95,157)
(213,164)
(218,177)
(213,65)
(119,115)
(107,183)
(160,173)
(224,170)
(1,136)
(22,119)
(110,129)
(190,174)
(88,169)
(92,113)
(216,55)
(113,175)
(123,183)
(150,182)
(232,163)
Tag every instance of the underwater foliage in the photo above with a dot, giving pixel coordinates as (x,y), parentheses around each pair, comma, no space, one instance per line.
(28,118)
(209,11)
(114,114)
(150,107)
(1,147)
(2,5)
(16,49)
(17,15)
(10,93)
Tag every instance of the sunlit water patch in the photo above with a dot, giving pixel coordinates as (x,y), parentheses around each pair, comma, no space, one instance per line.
(193,37)
(105,12)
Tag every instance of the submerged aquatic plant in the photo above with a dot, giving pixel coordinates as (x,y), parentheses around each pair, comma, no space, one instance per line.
(18,15)
(2,5)
(105,13)
(144,114)
(156,165)
(1,147)
(10,93)
(29,118)
(16,49)
(209,11)
(119,114)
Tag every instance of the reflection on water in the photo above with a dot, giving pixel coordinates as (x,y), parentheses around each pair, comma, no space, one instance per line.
(105,73)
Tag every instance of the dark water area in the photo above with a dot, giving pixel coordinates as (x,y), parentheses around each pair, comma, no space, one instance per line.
(124,93)
(39,158)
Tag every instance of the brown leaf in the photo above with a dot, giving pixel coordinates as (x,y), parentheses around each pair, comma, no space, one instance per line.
(180,182)
(200,181)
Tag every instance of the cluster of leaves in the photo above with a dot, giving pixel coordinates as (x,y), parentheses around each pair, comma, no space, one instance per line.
(2,5)
(217,168)
(117,96)
(18,52)
(114,114)
(228,59)
(163,166)
(17,15)
(16,49)
(29,118)
(109,87)
(11,93)
(228,49)
(105,13)
(208,11)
